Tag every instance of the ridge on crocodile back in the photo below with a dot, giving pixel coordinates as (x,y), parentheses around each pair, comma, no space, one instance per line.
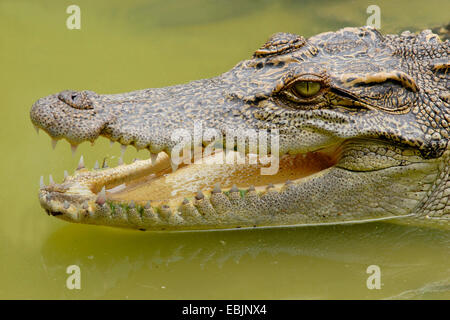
(361,121)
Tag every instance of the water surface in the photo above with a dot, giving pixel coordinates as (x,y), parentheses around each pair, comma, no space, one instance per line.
(124,46)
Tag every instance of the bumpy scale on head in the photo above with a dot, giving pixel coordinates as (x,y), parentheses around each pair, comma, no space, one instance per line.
(381,102)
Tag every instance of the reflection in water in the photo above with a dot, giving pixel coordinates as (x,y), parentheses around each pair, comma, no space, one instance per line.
(309,262)
(434,290)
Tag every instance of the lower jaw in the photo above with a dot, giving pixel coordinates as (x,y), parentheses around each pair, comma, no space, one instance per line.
(148,196)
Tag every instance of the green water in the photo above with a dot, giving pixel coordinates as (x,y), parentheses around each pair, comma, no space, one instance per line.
(128,45)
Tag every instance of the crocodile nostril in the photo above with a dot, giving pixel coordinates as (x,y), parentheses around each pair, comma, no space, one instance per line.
(75,99)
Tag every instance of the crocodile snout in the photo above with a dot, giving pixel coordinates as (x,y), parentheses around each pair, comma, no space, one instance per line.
(70,115)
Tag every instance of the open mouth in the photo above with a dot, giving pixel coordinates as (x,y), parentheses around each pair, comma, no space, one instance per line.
(158,183)
(154,182)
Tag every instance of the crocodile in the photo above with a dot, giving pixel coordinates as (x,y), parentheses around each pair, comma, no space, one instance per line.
(356,121)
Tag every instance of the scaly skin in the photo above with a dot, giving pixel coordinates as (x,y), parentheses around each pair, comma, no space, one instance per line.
(376,132)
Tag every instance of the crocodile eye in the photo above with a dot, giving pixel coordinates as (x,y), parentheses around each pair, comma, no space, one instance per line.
(306,88)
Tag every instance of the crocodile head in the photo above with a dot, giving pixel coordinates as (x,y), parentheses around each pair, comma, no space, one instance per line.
(355,123)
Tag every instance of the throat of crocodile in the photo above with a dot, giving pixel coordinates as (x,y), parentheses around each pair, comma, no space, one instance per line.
(158,183)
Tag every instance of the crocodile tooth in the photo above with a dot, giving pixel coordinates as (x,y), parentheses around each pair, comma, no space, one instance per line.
(120,162)
(104,164)
(251,188)
(135,160)
(149,216)
(41,182)
(189,211)
(204,207)
(74,148)
(131,205)
(66,205)
(66,174)
(174,166)
(165,212)
(54,142)
(81,163)
(153,156)
(50,180)
(122,150)
(234,188)
(96,166)
(85,205)
(36,128)
(117,188)
(270,185)
(119,213)
(216,188)
(101,198)
(199,195)
(221,203)
(134,216)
